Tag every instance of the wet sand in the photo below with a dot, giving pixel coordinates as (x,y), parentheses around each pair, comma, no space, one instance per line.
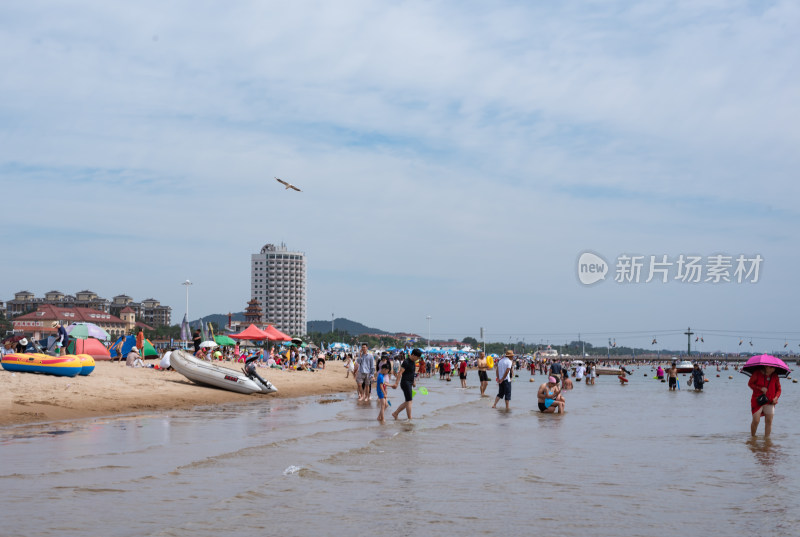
(114,389)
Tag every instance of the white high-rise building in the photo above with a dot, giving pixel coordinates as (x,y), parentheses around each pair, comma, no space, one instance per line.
(278,282)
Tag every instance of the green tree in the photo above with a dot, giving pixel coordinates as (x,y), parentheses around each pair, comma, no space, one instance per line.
(163,332)
(5,324)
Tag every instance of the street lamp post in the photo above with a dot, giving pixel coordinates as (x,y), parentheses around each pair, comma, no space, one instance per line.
(429,330)
(187,283)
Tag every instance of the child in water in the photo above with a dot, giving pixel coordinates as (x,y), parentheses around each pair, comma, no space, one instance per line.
(623,379)
(382,400)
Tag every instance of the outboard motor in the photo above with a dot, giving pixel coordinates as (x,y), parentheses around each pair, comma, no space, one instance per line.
(250,370)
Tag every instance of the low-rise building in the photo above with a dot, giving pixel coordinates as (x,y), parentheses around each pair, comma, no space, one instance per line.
(39,323)
(23,302)
(149,311)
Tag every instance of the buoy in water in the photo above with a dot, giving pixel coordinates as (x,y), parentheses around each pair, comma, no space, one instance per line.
(730,376)
(530,380)
(717,374)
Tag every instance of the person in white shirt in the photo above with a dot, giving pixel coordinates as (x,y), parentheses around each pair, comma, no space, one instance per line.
(504,374)
(579,372)
(164,364)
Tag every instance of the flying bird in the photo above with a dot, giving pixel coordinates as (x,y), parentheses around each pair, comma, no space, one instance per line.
(287,185)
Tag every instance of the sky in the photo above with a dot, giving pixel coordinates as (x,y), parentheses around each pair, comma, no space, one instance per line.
(456,158)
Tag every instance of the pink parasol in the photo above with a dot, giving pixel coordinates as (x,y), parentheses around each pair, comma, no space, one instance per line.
(756,362)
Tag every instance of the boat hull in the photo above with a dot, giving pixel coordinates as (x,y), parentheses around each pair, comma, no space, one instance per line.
(616,371)
(210,374)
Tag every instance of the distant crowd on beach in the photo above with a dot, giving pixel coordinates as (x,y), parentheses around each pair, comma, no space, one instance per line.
(287,358)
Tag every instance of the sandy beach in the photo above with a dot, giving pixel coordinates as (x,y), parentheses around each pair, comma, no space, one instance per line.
(114,389)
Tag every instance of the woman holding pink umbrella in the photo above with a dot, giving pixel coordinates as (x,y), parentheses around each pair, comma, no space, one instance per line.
(764,371)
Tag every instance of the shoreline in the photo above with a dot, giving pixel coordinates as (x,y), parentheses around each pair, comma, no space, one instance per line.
(113,389)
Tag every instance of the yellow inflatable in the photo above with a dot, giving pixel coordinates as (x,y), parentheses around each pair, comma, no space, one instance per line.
(87,364)
(64,366)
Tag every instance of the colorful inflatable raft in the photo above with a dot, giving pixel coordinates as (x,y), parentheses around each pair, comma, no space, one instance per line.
(64,366)
(87,364)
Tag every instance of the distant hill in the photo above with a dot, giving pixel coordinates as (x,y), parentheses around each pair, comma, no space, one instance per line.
(218,319)
(351,327)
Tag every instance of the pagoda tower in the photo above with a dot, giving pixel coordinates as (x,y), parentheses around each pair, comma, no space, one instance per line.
(252,315)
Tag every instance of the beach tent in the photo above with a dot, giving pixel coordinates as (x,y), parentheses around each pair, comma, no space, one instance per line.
(130,342)
(275,334)
(90,346)
(253,333)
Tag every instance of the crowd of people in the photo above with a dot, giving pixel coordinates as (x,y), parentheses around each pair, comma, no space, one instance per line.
(406,367)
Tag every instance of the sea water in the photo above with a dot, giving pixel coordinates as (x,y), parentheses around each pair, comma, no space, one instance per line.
(634,460)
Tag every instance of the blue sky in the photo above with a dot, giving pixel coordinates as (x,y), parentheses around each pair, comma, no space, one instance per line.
(455,158)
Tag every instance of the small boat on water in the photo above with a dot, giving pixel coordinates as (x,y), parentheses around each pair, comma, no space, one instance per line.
(685,366)
(210,374)
(607,370)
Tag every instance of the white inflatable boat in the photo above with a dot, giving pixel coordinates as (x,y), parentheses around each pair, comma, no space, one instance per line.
(210,374)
